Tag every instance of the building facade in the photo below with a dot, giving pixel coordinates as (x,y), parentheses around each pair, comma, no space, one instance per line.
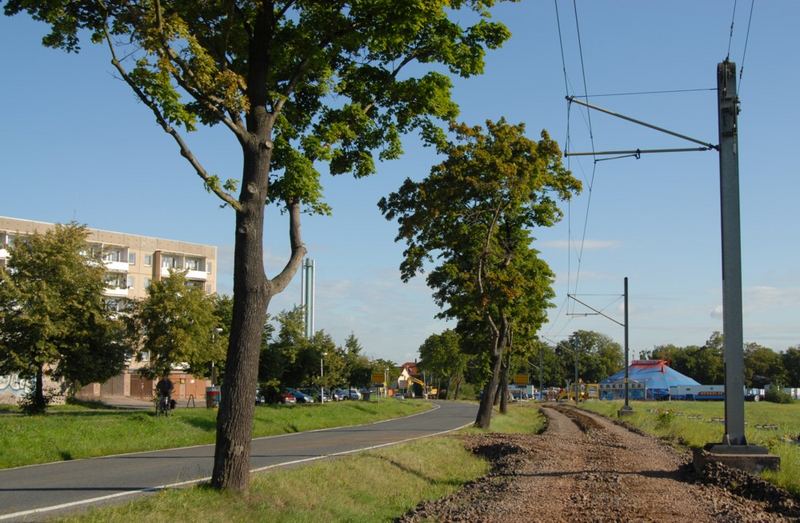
(132,262)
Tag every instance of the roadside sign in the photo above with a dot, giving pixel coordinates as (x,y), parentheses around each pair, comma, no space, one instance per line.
(520,379)
(377,378)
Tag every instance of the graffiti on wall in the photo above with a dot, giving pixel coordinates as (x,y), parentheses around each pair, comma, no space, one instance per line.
(13,388)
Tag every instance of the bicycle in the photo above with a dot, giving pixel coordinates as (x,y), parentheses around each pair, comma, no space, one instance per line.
(163,406)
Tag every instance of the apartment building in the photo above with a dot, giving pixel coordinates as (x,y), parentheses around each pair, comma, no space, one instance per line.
(132,262)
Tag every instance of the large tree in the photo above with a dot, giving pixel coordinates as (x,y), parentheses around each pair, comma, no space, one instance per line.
(53,319)
(297,82)
(177,325)
(592,355)
(473,218)
(442,356)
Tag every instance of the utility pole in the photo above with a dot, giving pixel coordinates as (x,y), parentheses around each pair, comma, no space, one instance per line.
(728,107)
(308,295)
(541,380)
(734,449)
(626,409)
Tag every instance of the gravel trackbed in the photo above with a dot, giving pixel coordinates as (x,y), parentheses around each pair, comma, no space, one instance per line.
(586,468)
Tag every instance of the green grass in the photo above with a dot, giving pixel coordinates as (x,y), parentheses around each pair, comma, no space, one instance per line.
(73,431)
(521,418)
(696,423)
(376,485)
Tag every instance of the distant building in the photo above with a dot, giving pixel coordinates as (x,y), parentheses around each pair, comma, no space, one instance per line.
(648,379)
(132,262)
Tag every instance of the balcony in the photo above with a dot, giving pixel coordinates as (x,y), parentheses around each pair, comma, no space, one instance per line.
(197,275)
(116,266)
(115,292)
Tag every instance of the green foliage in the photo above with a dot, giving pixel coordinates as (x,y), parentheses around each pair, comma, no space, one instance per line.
(177,324)
(329,77)
(442,356)
(762,366)
(53,319)
(598,356)
(292,360)
(473,215)
(775,394)
(704,364)
(791,362)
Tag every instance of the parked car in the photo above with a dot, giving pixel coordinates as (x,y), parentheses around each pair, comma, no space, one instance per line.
(326,397)
(287,397)
(338,395)
(301,397)
(260,399)
(353,394)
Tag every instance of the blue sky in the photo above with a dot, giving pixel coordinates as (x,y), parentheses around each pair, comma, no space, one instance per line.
(77,145)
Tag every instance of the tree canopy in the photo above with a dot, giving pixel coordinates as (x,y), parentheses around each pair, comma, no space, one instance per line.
(53,319)
(472,217)
(177,325)
(598,356)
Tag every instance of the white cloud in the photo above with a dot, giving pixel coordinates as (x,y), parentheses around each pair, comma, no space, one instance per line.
(588,245)
(716,312)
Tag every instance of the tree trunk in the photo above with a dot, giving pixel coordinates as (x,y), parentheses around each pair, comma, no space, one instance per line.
(504,387)
(484,418)
(458,388)
(39,404)
(251,296)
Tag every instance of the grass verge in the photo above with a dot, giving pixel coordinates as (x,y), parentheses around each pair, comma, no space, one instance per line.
(694,424)
(376,485)
(73,432)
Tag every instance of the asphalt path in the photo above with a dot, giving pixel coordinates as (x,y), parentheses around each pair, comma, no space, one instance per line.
(34,492)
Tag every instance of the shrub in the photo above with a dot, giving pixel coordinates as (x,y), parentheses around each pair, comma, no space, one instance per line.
(777,395)
(664,418)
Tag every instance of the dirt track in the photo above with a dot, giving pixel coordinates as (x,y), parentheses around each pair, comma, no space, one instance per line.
(585,468)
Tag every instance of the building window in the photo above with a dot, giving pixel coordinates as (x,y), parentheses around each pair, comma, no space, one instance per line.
(148,259)
(171,262)
(132,258)
(131,281)
(147,282)
(115,281)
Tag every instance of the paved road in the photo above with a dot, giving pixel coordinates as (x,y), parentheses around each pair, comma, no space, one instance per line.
(32,493)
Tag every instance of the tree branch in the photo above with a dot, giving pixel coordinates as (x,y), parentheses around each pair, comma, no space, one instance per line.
(279,282)
(210,102)
(162,121)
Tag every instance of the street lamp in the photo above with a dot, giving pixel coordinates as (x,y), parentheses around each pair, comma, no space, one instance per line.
(321,376)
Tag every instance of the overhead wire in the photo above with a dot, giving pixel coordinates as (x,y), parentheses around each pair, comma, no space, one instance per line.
(591,138)
(730,36)
(746,40)
(633,93)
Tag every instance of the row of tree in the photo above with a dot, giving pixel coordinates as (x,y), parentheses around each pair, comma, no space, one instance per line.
(54,321)
(704,363)
(289,358)
(591,357)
